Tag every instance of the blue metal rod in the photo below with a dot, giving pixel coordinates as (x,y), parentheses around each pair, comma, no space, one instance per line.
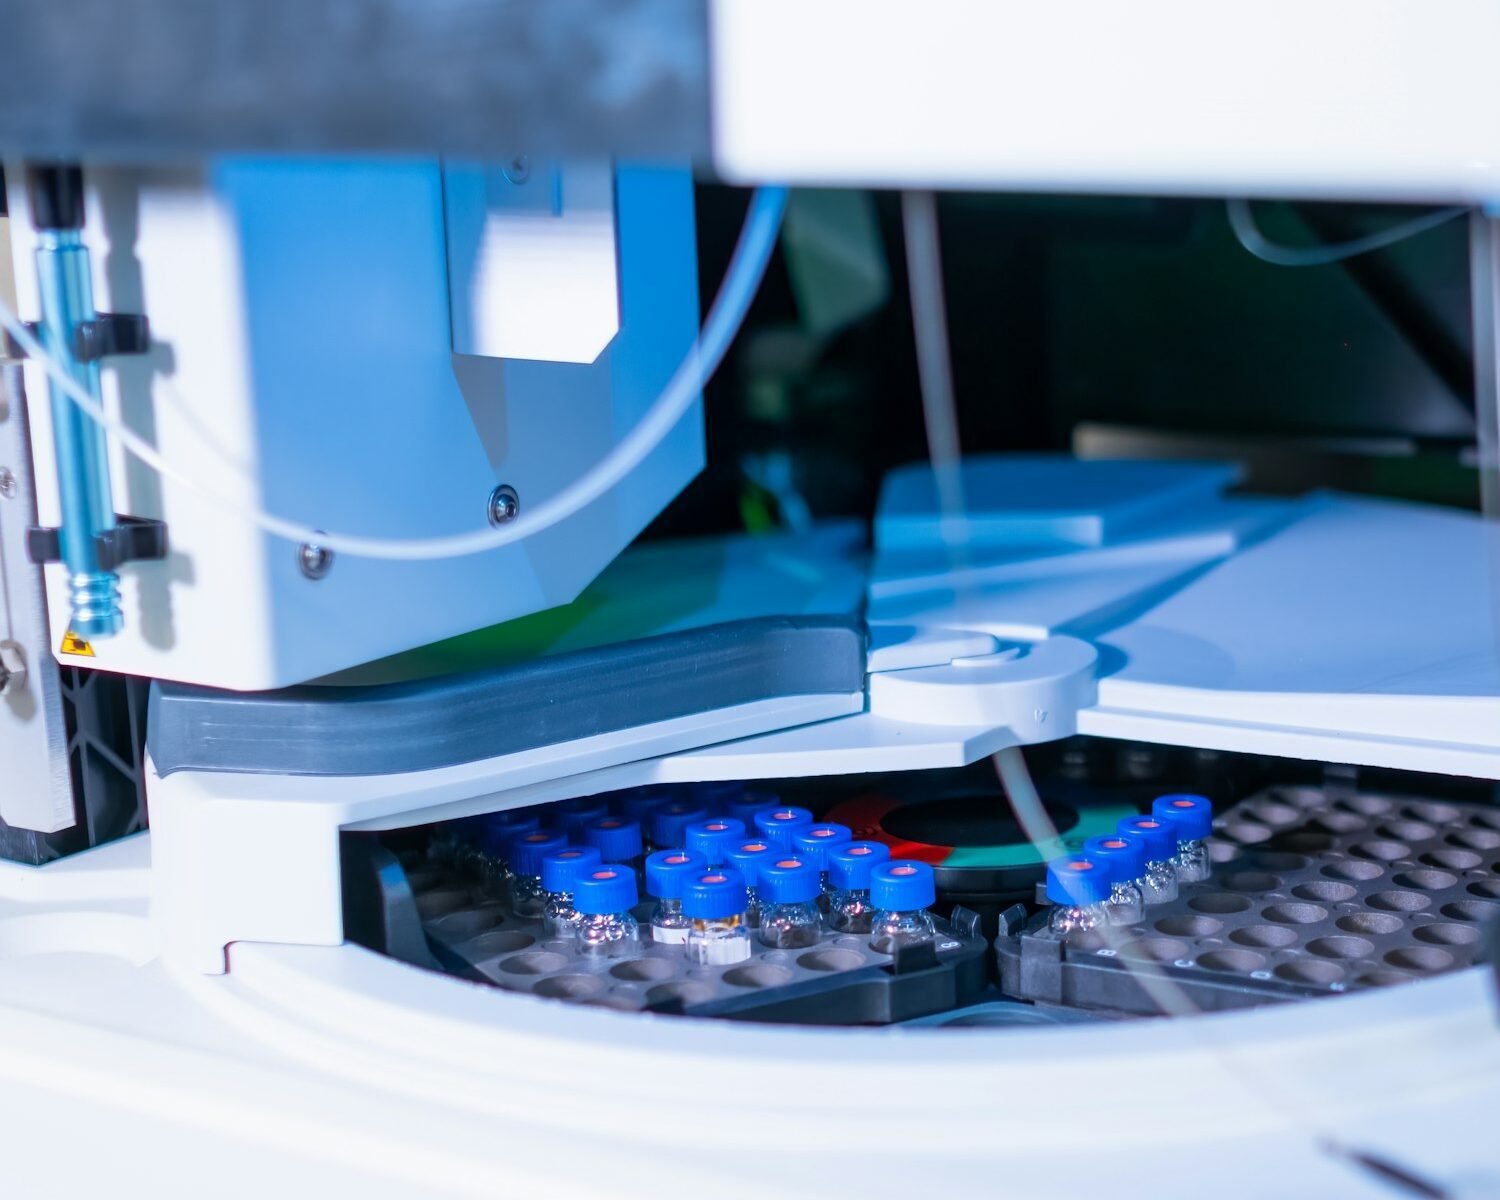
(87,503)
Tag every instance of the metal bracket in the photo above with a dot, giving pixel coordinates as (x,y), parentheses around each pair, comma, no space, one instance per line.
(133,539)
(111,333)
(106,334)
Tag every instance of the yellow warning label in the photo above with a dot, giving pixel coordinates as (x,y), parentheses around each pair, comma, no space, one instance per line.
(73,644)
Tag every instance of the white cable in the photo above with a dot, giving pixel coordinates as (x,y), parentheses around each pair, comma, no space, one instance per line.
(1242,221)
(741,281)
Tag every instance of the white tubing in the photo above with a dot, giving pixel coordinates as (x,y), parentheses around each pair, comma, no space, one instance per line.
(727,313)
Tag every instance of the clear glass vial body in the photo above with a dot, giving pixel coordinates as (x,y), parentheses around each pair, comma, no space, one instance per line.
(559,917)
(1067,919)
(850,910)
(527,899)
(607,935)
(891,929)
(718,941)
(1126,905)
(1191,861)
(1159,884)
(752,908)
(790,926)
(668,925)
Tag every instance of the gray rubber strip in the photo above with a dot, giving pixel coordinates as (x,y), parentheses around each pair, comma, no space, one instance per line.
(418,726)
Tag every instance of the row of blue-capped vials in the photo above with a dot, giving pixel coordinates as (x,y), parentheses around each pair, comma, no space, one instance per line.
(1114,879)
(760,871)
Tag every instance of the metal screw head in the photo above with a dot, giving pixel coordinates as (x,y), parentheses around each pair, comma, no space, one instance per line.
(313,560)
(518,170)
(8,483)
(504,505)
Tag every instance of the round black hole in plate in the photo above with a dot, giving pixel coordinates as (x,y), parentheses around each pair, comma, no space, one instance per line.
(1266,937)
(431,905)
(1247,833)
(1475,839)
(1420,958)
(1383,978)
(685,991)
(1239,961)
(1369,922)
(1354,869)
(1189,926)
(500,941)
(1310,970)
(978,818)
(1452,860)
(831,959)
(757,975)
(1219,902)
(1432,812)
(569,987)
(1157,949)
(1383,850)
(1304,841)
(1443,933)
(1399,901)
(1366,806)
(533,962)
(1489,889)
(1406,831)
(1425,880)
(639,970)
(1341,947)
(1325,890)
(1252,881)
(1470,910)
(1295,914)
(1278,860)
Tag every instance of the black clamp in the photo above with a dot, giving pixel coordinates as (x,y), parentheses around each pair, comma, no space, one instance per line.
(106,334)
(133,539)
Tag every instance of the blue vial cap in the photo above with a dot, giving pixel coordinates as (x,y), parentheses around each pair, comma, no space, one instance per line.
(528,849)
(746,857)
(788,879)
(561,868)
(781,823)
(494,832)
(1159,838)
(572,815)
(669,821)
(608,888)
(716,892)
(668,870)
(618,839)
(1123,858)
(639,804)
(849,865)
(748,803)
(1191,816)
(712,837)
(902,885)
(1077,880)
(716,795)
(816,841)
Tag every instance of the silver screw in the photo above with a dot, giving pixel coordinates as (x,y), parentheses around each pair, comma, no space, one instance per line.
(504,505)
(518,170)
(7,483)
(313,560)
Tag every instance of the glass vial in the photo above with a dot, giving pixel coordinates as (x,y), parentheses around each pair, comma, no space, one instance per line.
(850,909)
(789,887)
(714,903)
(901,891)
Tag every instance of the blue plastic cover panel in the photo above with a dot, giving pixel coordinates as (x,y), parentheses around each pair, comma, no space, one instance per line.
(426,724)
(1030,499)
